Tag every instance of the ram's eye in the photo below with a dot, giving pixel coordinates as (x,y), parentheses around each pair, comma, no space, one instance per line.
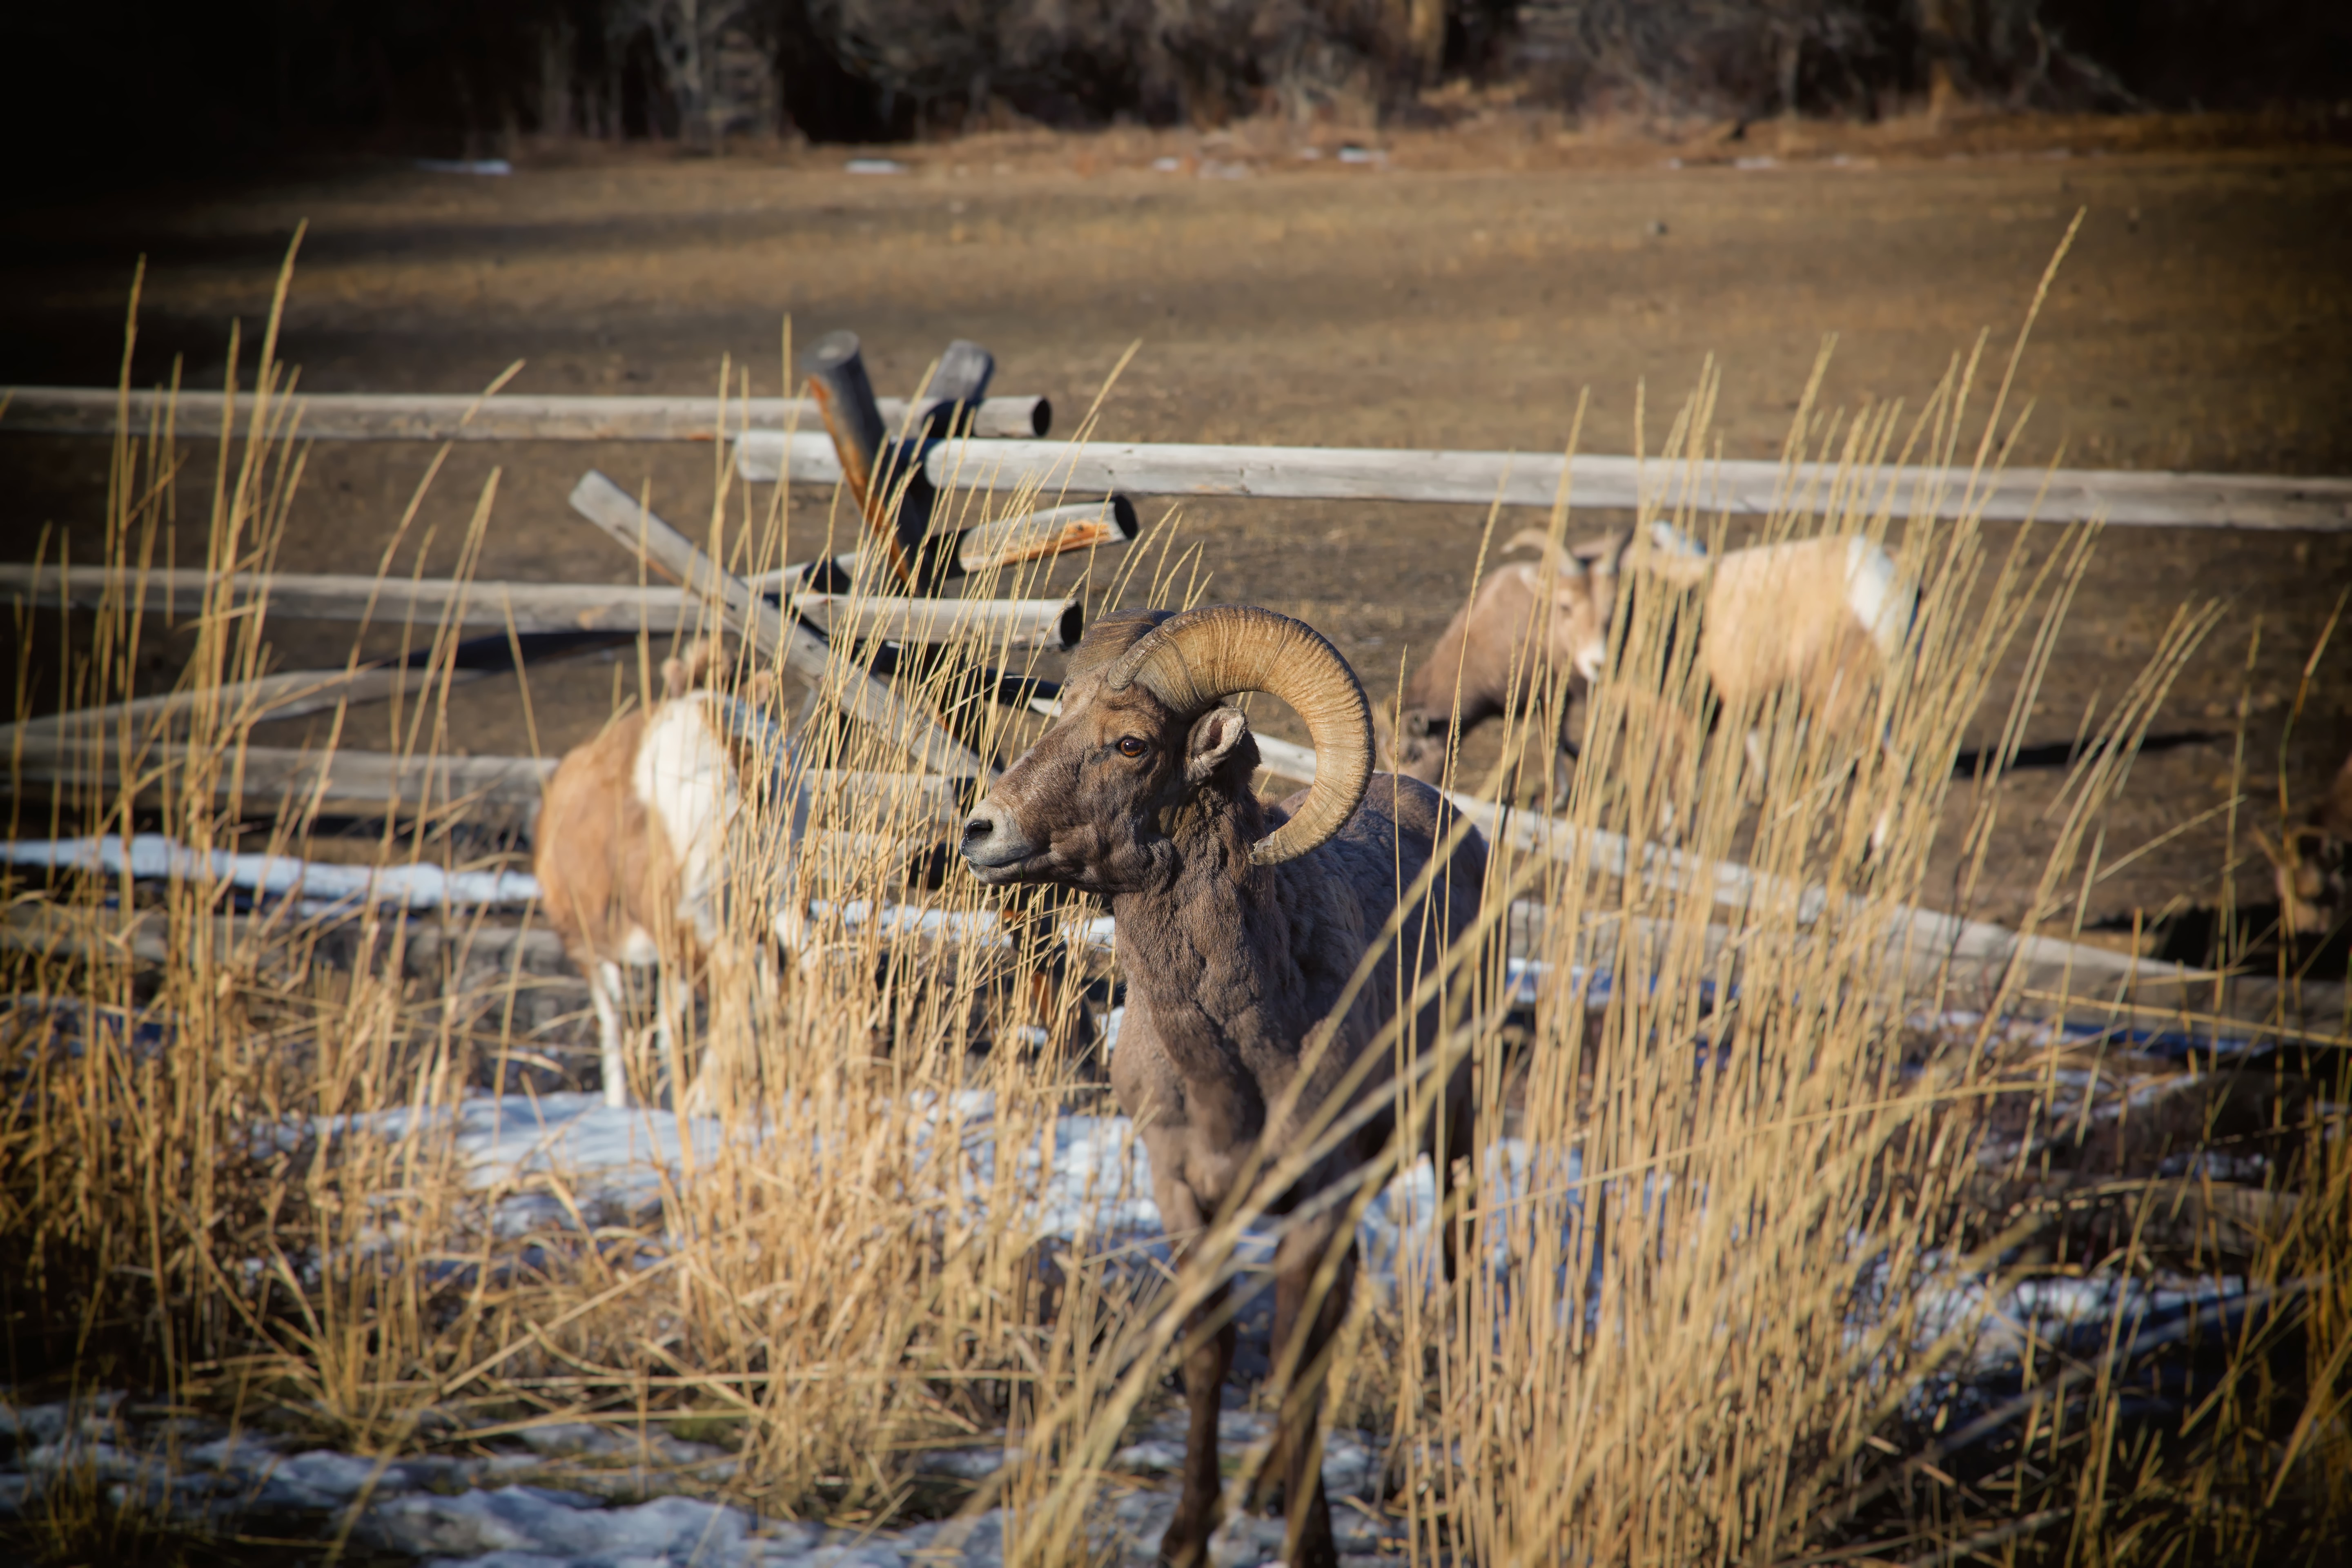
(1133,746)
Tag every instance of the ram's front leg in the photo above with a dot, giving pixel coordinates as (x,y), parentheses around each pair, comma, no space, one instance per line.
(1209,1338)
(1312,1288)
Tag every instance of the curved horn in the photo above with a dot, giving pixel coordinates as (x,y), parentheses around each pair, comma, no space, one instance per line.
(1554,552)
(1195,660)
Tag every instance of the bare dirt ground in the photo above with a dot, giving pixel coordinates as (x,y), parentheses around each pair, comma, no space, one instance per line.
(1457,289)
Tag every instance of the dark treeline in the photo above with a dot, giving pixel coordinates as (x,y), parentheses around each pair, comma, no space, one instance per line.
(138,88)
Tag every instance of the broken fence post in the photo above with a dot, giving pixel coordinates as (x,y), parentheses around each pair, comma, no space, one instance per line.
(636,529)
(887,476)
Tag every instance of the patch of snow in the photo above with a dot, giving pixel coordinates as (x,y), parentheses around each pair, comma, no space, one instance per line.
(1094,1183)
(322,889)
(564,1524)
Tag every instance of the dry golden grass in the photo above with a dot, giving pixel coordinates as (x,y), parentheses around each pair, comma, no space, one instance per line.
(1712,1330)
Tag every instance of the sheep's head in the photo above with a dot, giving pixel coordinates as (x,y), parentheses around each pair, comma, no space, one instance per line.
(1144,739)
(705,664)
(1582,582)
(1414,745)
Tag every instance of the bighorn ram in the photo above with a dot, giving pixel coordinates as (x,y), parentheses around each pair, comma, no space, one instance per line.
(2313,865)
(1528,627)
(1239,926)
(632,840)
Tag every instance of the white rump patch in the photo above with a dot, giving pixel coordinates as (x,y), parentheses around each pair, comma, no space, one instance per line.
(1881,600)
(685,776)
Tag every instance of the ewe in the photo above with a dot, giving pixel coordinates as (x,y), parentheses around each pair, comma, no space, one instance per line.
(1528,633)
(1531,631)
(1823,618)
(632,848)
(1239,926)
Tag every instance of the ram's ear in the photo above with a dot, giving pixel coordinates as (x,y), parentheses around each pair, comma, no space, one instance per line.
(1217,735)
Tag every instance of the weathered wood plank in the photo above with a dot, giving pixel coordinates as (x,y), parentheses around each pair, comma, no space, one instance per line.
(387,601)
(288,695)
(858,694)
(532,607)
(2156,499)
(57,931)
(437,417)
(1928,947)
(995,623)
(271,776)
(1056,530)
(1032,536)
(373,780)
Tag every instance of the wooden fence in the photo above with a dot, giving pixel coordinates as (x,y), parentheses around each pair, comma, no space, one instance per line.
(778,438)
(956,437)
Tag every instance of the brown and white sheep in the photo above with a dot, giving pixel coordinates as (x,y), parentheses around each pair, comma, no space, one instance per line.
(631,847)
(1238,927)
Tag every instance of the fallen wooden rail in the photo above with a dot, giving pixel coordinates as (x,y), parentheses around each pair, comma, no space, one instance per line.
(288,695)
(1976,958)
(439,416)
(2157,499)
(527,607)
(373,780)
(1056,530)
(388,601)
(67,931)
(340,782)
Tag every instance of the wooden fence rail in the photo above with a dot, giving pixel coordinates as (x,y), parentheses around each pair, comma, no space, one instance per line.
(1001,452)
(2156,499)
(1969,960)
(539,606)
(439,416)
(476,604)
(369,781)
